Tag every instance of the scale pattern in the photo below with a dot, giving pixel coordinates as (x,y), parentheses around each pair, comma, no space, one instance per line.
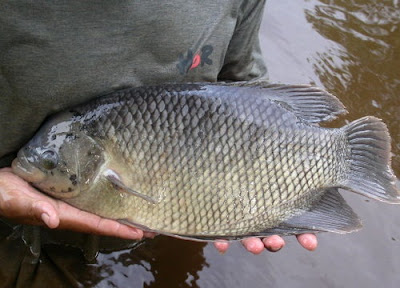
(220,160)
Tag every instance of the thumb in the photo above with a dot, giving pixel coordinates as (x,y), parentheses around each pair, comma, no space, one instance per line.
(46,212)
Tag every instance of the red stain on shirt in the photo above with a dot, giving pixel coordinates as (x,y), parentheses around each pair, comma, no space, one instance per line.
(196,61)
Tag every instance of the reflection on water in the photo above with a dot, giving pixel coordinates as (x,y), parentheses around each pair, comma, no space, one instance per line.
(368,34)
(162,262)
(352,49)
(183,259)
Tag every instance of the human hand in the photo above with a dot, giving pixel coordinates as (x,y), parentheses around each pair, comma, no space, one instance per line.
(24,204)
(272,243)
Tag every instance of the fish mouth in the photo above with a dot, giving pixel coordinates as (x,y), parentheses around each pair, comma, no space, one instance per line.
(24,169)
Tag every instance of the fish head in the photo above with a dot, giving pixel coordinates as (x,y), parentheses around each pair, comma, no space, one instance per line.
(60,160)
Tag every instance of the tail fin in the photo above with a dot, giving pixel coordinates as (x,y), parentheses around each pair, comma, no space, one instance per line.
(370,171)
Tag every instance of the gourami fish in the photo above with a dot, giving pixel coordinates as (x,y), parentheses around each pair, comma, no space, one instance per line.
(210,161)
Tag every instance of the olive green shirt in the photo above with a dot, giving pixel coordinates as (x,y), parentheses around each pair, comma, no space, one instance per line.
(57,54)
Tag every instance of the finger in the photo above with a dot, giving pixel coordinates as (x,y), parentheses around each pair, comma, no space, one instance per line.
(253,245)
(45,212)
(221,245)
(81,221)
(273,243)
(20,199)
(19,202)
(308,241)
(113,228)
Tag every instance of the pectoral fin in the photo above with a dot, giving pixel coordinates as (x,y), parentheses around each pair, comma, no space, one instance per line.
(112,177)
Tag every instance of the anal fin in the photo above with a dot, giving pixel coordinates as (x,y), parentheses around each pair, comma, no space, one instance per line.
(330,214)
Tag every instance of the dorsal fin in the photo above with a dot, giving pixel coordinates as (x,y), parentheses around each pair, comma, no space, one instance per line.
(307,102)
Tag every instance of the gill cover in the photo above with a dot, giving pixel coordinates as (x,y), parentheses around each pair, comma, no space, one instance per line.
(60,160)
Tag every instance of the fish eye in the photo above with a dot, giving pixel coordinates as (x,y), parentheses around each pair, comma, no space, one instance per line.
(49,159)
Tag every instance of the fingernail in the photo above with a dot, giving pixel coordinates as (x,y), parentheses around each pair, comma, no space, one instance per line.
(274,249)
(273,244)
(136,234)
(150,235)
(45,218)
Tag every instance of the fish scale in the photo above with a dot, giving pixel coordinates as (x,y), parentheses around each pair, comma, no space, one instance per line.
(205,161)
(224,123)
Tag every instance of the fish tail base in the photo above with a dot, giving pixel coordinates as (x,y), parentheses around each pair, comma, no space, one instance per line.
(370,170)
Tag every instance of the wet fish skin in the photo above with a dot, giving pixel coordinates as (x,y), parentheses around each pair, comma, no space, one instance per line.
(213,160)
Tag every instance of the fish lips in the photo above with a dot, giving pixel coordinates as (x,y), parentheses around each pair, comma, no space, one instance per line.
(26,170)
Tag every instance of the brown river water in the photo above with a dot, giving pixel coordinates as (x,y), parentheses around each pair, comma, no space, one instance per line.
(352,49)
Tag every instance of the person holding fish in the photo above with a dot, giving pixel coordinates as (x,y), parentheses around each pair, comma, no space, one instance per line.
(52,63)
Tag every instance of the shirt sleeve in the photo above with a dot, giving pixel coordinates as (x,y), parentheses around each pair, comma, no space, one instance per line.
(243,60)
